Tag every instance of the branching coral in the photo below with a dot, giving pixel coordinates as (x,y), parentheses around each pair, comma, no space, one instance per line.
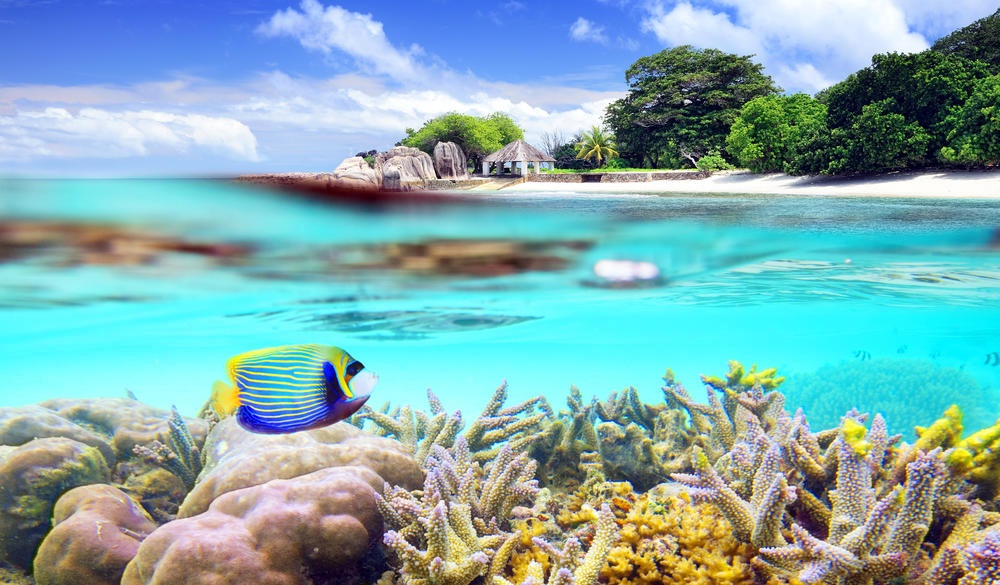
(567,565)
(497,425)
(666,539)
(868,539)
(415,428)
(180,456)
(449,533)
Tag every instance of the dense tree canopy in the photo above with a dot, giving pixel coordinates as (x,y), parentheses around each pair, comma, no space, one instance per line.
(681,104)
(476,136)
(895,114)
(769,129)
(980,41)
(974,136)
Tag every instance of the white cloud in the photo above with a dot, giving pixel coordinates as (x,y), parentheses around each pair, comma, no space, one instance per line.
(804,46)
(688,25)
(334,28)
(585,30)
(101,133)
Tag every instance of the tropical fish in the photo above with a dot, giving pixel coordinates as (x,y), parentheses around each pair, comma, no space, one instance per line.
(293,388)
(992,359)
(862,355)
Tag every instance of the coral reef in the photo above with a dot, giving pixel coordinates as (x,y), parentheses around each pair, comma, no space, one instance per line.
(317,528)
(414,428)
(123,422)
(878,385)
(665,538)
(180,455)
(32,477)
(236,458)
(21,424)
(497,425)
(449,534)
(568,564)
(96,532)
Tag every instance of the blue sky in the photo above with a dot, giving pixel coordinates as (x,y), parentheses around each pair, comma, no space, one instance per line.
(144,87)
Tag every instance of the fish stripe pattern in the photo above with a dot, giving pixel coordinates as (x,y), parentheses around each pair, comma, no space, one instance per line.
(283,387)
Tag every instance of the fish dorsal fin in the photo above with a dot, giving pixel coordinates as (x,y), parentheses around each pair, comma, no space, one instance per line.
(334,393)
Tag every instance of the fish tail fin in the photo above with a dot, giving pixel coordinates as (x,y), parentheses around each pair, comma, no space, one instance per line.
(225,398)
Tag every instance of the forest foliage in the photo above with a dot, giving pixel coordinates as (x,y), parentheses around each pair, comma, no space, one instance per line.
(940,107)
(704,108)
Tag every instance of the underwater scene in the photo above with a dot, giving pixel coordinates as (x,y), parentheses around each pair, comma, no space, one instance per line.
(209,382)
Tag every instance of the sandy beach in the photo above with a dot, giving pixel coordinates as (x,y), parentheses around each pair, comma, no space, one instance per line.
(967,184)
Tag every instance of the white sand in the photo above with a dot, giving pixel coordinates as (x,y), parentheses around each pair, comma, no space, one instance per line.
(965,184)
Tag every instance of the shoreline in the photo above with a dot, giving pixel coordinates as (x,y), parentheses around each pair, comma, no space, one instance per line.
(975,184)
(942,184)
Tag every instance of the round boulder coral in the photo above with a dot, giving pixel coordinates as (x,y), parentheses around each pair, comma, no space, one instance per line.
(21,424)
(236,458)
(315,528)
(96,532)
(126,422)
(32,477)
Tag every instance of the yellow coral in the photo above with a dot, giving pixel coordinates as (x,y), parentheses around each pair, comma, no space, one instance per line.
(944,432)
(739,378)
(978,455)
(669,540)
(854,435)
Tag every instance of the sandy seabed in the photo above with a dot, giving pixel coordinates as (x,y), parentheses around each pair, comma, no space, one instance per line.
(980,184)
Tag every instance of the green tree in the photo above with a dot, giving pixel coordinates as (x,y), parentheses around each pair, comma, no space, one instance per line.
(975,135)
(476,136)
(769,130)
(682,101)
(597,145)
(980,41)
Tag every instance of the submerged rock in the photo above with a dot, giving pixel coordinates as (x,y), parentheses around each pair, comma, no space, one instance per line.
(125,422)
(236,458)
(33,476)
(96,532)
(314,528)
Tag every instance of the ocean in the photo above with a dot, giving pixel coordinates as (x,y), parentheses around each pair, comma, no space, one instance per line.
(149,286)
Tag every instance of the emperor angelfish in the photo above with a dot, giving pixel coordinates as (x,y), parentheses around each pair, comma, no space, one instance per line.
(293,388)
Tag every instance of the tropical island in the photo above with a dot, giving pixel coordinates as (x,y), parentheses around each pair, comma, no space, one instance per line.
(698,112)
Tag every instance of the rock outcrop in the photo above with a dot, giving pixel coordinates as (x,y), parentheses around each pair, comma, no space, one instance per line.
(449,161)
(355,173)
(404,168)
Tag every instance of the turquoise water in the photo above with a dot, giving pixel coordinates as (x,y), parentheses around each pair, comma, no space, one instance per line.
(800,284)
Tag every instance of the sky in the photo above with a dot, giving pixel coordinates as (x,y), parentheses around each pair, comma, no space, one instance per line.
(161,88)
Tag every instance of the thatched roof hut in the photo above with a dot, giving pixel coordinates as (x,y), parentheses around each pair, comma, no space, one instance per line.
(518,154)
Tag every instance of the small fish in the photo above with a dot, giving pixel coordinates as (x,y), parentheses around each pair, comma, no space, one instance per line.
(993,359)
(902,348)
(293,388)
(862,355)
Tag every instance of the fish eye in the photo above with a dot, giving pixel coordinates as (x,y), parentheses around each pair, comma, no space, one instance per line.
(353,368)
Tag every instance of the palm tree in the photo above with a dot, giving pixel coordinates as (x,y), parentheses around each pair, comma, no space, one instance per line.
(597,145)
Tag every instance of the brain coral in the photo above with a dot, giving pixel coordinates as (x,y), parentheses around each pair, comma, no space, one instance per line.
(236,458)
(96,532)
(32,477)
(313,529)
